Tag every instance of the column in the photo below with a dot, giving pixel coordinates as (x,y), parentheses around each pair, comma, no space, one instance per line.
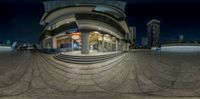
(116,45)
(127,47)
(99,46)
(110,44)
(85,43)
(124,46)
(102,42)
(120,45)
(54,43)
(72,44)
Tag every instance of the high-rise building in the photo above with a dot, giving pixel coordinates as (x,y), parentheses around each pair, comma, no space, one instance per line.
(144,41)
(132,35)
(153,33)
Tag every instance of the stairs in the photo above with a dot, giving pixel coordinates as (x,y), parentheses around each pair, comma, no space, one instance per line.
(86,59)
(83,78)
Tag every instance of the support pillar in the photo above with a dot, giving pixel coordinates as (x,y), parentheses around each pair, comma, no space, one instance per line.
(127,47)
(99,49)
(85,43)
(102,42)
(116,45)
(72,44)
(54,43)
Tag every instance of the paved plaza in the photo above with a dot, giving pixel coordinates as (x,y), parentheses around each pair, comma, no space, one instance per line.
(133,75)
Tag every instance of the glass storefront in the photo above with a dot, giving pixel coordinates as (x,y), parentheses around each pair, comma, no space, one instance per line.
(93,41)
(98,42)
(69,42)
(102,42)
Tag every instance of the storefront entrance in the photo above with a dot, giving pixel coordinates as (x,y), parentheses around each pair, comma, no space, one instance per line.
(102,42)
(69,42)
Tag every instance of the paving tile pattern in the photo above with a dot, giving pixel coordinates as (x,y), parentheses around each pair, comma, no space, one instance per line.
(134,74)
(168,74)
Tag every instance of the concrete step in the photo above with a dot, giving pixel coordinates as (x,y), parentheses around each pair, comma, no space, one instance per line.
(79,77)
(81,66)
(77,74)
(85,59)
(87,70)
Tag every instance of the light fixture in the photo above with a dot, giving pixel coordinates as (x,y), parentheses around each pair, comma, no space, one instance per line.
(106,35)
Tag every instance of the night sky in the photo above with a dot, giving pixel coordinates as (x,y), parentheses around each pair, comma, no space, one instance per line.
(20,18)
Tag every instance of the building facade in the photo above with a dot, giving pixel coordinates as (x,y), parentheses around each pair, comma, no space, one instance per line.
(132,35)
(85,25)
(153,33)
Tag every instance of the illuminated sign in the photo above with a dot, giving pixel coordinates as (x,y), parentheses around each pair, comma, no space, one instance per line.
(76,35)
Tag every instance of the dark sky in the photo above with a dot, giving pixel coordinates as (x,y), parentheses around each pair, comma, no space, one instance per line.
(20,18)
(20,21)
(176,18)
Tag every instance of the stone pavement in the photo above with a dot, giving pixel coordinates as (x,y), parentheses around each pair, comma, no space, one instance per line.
(133,75)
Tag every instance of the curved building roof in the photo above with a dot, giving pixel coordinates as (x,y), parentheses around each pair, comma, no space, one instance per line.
(51,5)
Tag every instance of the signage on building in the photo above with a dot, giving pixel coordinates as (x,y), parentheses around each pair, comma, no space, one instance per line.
(72,30)
(76,35)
